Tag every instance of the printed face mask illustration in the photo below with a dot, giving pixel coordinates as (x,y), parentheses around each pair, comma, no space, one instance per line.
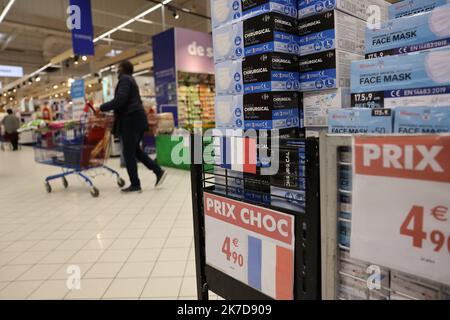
(222,41)
(440,21)
(224,109)
(223,75)
(437,65)
(221,10)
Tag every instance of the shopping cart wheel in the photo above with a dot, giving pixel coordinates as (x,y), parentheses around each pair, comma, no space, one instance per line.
(48,187)
(120,182)
(95,192)
(65,182)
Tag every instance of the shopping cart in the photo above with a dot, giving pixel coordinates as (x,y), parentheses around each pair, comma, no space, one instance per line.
(76,147)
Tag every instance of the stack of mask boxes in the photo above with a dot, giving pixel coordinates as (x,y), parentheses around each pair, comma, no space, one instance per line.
(408,68)
(331,36)
(403,87)
(257,83)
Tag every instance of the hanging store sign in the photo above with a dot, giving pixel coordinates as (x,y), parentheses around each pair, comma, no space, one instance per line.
(11,72)
(80,23)
(252,244)
(77,93)
(401,204)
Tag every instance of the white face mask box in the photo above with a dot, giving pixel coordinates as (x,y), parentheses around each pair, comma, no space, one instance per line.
(412,7)
(229,112)
(359,120)
(357,8)
(415,79)
(425,120)
(409,34)
(228,77)
(316,105)
(270,32)
(326,70)
(331,30)
(225,11)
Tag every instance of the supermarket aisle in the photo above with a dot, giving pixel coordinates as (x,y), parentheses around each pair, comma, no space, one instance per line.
(126,246)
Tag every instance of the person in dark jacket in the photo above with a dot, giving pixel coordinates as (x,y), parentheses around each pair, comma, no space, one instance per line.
(131,125)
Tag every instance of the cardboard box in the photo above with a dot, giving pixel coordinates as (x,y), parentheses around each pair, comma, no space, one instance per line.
(422,120)
(225,11)
(356,8)
(228,78)
(360,120)
(316,105)
(269,32)
(270,72)
(409,34)
(326,70)
(272,110)
(228,181)
(331,30)
(415,79)
(412,7)
(229,112)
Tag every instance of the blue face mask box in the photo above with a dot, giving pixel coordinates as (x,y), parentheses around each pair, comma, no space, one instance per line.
(424,31)
(425,120)
(415,79)
(359,121)
(412,7)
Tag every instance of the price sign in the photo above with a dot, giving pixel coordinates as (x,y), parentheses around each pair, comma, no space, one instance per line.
(401,204)
(252,244)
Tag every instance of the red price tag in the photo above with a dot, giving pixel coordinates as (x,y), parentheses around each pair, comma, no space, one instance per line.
(228,248)
(412,227)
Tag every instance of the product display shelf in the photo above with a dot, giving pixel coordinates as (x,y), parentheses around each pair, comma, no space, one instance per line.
(344,278)
(307,281)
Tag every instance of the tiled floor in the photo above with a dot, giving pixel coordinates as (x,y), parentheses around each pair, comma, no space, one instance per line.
(123,246)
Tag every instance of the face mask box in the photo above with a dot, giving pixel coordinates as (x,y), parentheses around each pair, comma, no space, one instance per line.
(228,77)
(413,286)
(229,112)
(228,180)
(273,71)
(425,31)
(412,7)
(331,30)
(271,110)
(416,79)
(291,168)
(316,105)
(225,11)
(359,121)
(326,70)
(288,199)
(356,8)
(270,32)
(425,120)
(257,188)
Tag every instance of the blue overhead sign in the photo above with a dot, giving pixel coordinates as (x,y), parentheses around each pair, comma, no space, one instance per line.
(80,21)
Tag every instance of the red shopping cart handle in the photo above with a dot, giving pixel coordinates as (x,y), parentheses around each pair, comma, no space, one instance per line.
(89,106)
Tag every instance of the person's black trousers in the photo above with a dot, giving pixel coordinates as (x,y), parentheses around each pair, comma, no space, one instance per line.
(131,140)
(13,138)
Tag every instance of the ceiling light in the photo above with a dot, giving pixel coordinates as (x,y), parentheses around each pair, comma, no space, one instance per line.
(6,10)
(90,85)
(76,60)
(136,18)
(11,99)
(175,15)
(55,86)
(15,90)
(126,30)
(68,92)
(4,94)
(84,58)
(56,95)
(145,21)
(38,79)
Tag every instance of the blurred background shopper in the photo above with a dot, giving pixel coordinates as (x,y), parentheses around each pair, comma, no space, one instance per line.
(131,123)
(11,123)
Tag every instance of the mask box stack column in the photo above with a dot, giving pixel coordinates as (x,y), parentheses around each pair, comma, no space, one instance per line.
(256,49)
(403,87)
(331,36)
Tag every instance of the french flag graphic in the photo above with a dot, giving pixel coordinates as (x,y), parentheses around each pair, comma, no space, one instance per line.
(238,154)
(276,275)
